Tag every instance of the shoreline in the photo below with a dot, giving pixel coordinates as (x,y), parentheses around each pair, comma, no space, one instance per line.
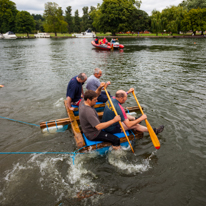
(119,37)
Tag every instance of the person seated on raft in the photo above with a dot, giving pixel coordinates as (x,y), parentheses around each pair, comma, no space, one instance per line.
(104,41)
(75,89)
(90,123)
(128,121)
(93,83)
(96,40)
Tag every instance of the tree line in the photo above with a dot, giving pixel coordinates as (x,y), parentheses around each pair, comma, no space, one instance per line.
(111,16)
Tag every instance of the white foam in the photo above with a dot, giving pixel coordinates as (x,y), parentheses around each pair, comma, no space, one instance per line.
(59,103)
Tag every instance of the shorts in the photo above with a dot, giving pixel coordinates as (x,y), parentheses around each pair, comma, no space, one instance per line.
(107,137)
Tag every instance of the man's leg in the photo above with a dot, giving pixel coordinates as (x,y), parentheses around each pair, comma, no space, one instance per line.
(108,137)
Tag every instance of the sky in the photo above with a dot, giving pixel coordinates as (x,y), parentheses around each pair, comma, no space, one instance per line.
(37,6)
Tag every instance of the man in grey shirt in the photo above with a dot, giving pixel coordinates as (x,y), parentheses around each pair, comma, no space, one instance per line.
(90,123)
(93,83)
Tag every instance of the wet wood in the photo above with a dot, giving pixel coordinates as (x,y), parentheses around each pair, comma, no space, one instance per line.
(75,128)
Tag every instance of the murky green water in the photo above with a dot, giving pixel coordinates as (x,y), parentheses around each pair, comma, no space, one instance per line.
(169,80)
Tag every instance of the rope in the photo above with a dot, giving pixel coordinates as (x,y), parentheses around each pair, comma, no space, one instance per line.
(20,121)
(72,154)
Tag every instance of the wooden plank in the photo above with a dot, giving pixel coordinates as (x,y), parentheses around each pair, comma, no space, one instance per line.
(75,128)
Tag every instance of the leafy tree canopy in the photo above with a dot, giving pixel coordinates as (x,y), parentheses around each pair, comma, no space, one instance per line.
(8,13)
(193,4)
(114,15)
(24,22)
(54,20)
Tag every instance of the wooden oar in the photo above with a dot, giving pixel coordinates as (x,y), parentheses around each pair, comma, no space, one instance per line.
(153,136)
(117,115)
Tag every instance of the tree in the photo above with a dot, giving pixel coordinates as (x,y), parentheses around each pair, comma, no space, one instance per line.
(69,19)
(156,22)
(54,20)
(8,14)
(193,4)
(90,19)
(115,15)
(85,18)
(195,20)
(24,22)
(76,22)
(139,20)
(171,19)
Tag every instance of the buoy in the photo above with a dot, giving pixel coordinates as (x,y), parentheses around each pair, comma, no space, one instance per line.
(194,42)
(52,129)
(1,85)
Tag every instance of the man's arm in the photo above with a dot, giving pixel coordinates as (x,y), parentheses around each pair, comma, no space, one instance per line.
(99,89)
(69,100)
(104,125)
(106,84)
(82,91)
(137,121)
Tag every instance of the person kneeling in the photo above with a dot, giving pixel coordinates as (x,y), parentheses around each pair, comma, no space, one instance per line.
(90,123)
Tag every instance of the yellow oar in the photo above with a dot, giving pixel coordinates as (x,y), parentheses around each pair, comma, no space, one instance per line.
(116,115)
(153,136)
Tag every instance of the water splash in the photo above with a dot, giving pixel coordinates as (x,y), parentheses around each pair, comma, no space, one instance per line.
(119,159)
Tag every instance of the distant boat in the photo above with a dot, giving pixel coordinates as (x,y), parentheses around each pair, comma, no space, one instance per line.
(9,35)
(42,35)
(87,34)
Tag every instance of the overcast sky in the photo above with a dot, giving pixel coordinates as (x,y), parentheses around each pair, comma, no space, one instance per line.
(37,6)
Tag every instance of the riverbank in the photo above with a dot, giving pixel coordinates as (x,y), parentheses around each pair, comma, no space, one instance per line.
(120,36)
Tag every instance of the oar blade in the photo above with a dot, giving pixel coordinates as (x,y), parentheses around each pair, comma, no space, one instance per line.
(153,136)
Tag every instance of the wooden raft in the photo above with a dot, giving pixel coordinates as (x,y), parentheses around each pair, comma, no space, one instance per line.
(78,134)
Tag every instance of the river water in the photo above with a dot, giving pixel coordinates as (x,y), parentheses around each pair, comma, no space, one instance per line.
(169,80)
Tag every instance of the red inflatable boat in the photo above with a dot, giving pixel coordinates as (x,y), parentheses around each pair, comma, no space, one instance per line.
(101,46)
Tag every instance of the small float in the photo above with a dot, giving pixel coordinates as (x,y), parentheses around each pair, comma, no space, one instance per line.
(82,143)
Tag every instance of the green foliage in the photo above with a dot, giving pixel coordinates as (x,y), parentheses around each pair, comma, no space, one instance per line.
(193,4)
(90,19)
(85,18)
(8,13)
(24,22)
(114,15)
(171,19)
(77,22)
(156,23)
(139,21)
(54,20)
(69,19)
(195,20)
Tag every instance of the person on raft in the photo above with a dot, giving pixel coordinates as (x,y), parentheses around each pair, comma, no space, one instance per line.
(128,122)
(90,123)
(75,90)
(93,83)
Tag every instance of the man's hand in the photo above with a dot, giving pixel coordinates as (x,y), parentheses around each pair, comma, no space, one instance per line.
(130,90)
(117,118)
(71,108)
(102,84)
(108,83)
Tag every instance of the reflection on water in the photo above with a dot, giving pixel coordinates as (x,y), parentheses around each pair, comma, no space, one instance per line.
(169,80)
